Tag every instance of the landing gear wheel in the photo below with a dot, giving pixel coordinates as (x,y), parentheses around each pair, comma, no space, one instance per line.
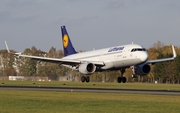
(119,79)
(87,79)
(83,79)
(124,80)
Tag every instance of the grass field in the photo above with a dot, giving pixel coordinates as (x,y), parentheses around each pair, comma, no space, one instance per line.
(22,101)
(19,101)
(147,86)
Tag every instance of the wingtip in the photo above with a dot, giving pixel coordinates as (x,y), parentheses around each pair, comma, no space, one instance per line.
(7,47)
(174,52)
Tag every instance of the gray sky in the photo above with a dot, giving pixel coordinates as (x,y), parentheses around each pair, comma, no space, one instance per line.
(90,23)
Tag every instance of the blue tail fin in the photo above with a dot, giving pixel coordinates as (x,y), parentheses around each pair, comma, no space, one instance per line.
(67,45)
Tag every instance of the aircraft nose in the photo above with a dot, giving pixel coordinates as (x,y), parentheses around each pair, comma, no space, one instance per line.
(144,56)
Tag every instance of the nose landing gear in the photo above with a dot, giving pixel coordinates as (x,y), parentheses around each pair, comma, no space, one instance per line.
(121,78)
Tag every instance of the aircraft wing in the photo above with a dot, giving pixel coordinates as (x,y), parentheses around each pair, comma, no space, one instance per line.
(58,60)
(164,59)
(55,60)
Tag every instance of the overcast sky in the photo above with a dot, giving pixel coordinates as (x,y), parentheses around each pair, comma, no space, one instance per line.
(90,23)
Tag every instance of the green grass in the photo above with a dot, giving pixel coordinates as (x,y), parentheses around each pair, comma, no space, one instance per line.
(20,101)
(93,85)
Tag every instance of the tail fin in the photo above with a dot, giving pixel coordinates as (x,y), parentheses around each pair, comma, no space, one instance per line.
(67,45)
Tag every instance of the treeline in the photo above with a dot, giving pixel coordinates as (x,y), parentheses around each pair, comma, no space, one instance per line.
(165,72)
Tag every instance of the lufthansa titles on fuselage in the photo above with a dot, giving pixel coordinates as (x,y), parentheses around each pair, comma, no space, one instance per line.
(116,49)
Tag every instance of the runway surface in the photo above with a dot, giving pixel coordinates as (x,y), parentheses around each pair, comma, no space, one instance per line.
(98,90)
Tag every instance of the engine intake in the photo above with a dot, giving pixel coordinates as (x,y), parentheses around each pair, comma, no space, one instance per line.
(142,69)
(87,68)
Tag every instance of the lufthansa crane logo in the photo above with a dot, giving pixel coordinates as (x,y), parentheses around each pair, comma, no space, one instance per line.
(65,41)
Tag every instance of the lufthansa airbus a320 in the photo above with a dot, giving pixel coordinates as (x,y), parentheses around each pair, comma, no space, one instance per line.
(111,58)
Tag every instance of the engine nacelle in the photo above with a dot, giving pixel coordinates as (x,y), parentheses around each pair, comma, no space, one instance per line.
(87,68)
(142,69)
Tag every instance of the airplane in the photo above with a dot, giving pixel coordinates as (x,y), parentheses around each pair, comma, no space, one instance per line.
(112,58)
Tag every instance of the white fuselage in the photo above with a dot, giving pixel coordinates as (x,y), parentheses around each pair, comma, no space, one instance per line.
(114,57)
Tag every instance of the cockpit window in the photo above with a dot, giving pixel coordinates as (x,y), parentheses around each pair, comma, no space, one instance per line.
(138,49)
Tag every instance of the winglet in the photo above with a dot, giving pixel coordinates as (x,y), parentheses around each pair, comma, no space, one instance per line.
(174,52)
(7,47)
(10,51)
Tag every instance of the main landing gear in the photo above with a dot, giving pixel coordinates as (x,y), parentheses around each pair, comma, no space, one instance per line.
(133,70)
(85,79)
(121,78)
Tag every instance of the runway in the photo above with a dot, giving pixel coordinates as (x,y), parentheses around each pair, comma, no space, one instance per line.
(97,90)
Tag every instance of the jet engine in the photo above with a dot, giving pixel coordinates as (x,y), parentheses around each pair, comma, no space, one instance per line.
(87,68)
(142,69)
